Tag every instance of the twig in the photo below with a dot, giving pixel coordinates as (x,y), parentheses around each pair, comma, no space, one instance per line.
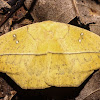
(19,3)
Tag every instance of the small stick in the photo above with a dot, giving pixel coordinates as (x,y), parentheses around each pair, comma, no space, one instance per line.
(19,3)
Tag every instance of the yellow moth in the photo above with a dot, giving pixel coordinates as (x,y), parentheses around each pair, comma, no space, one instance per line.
(48,53)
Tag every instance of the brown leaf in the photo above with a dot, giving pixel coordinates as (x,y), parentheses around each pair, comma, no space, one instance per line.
(55,10)
(4,4)
(22,23)
(88,11)
(28,3)
(95,28)
(20,13)
(6,27)
(4,88)
(92,88)
(94,96)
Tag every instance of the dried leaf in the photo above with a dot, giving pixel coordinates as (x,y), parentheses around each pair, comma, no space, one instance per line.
(56,10)
(65,11)
(28,3)
(49,53)
(22,23)
(94,96)
(91,89)
(26,22)
(88,11)
(20,13)
(5,88)
(4,4)
(95,28)
(6,27)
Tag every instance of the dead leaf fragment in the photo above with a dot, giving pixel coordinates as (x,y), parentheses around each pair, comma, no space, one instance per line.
(88,11)
(4,4)
(55,10)
(65,11)
(94,96)
(28,3)
(6,27)
(5,88)
(22,23)
(95,28)
(91,91)
(20,13)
